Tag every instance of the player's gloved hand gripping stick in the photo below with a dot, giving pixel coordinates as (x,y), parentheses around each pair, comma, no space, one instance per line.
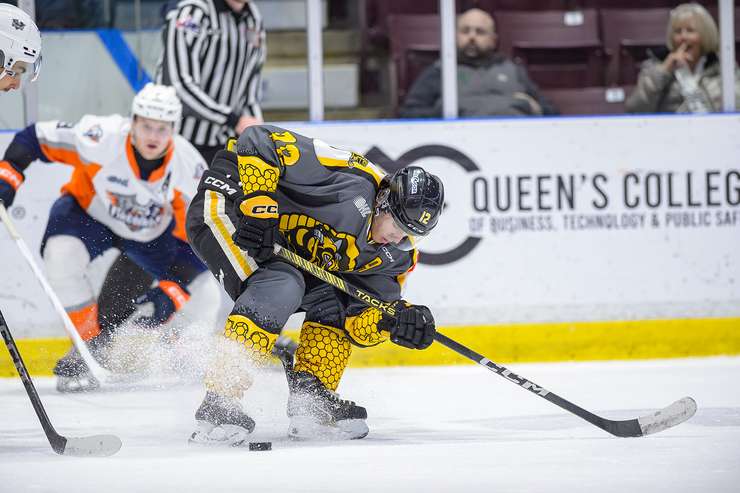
(670,416)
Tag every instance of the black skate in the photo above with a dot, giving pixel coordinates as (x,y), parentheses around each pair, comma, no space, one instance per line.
(221,421)
(316,412)
(73,374)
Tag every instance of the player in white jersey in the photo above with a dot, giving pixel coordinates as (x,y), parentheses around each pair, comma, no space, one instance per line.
(20,48)
(131,183)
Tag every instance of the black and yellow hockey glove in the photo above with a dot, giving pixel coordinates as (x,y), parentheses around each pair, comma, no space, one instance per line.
(412,327)
(257,230)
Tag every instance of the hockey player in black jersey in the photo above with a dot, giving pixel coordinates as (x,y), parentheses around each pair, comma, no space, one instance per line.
(337,210)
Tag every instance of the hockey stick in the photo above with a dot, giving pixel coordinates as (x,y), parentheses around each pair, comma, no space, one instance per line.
(670,416)
(92,446)
(100,373)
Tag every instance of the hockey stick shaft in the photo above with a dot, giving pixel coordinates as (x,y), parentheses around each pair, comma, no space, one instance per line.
(626,428)
(56,441)
(98,371)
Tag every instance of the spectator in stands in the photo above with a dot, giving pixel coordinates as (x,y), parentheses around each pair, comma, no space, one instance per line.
(488,82)
(688,79)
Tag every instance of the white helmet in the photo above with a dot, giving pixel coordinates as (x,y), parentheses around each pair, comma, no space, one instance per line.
(157,102)
(20,41)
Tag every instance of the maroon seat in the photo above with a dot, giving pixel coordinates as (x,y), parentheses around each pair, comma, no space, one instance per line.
(415,44)
(494,6)
(589,100)
(628,35)
(559,48)
(629,4)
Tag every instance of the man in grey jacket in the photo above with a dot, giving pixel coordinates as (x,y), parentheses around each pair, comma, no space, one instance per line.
(488,82)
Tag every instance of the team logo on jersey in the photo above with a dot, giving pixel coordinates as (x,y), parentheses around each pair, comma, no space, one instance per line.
(319,243)
(61,124)
(135,216)
(94,133)
(357,160)
(18,24)
(121,181)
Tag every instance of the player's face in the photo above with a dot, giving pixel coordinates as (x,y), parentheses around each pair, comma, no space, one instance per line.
(384,230)
(12,79)
(151,137)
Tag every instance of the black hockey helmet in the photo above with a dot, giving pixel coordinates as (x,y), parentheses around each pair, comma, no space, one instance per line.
(415,200)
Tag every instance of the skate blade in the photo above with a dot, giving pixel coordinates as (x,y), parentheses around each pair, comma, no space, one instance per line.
(305,428)
(72,385)
(220,436)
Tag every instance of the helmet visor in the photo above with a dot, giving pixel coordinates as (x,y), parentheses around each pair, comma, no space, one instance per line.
(25,71)
(410,241)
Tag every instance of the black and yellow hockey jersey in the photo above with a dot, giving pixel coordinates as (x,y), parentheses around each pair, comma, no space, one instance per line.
(325,201)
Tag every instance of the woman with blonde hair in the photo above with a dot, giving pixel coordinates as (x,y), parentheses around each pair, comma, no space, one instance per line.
(688,80)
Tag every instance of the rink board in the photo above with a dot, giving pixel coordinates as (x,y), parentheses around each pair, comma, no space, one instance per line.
(584,341)
(553,229)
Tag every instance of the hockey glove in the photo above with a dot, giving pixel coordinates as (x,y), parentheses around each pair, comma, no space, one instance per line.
(168,297)
(10,180)
(257,230)
(412,327)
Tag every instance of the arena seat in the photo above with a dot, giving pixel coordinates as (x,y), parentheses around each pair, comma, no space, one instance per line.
(559,48)
(415,44)
(628,35)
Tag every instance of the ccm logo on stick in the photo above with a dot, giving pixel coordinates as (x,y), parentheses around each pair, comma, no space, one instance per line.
(220,185)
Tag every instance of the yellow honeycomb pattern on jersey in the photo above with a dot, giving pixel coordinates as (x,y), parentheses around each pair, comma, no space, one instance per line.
(323,351)
(363,328)
(256,175)
(244,331)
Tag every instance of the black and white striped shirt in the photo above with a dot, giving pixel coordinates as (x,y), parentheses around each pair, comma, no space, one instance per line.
(213,57)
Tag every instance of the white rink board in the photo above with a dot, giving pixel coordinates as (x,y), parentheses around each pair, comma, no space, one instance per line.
(673,253)
(560,273)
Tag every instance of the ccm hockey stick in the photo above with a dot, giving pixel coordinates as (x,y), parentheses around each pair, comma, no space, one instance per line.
(92,446)
(670,416)
(100,373)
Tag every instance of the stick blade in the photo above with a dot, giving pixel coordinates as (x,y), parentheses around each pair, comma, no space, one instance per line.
(92,446)
(668,417)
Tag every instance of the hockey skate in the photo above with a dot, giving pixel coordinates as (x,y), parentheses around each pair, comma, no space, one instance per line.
(73,374)
(317,413)
(221,421)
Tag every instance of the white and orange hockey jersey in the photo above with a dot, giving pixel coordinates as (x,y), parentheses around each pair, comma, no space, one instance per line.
(106,181)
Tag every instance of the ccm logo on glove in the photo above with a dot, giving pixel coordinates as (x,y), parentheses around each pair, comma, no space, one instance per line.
(260,206)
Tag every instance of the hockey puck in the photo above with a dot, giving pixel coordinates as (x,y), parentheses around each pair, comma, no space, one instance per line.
(260,445)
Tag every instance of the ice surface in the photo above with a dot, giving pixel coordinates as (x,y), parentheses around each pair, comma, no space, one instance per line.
(433,429)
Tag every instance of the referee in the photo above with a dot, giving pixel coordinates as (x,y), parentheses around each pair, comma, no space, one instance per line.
(214,51)
(213,55)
